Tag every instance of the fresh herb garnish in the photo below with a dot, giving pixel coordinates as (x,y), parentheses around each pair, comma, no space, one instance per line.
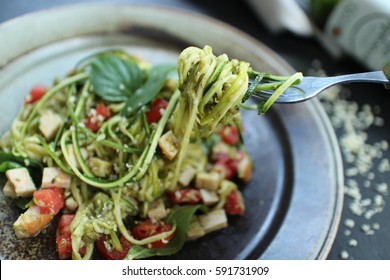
(10,161)
(181,217)
(156,78)
(114,78)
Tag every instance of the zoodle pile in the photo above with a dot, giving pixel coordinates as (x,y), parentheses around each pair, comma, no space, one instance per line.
(128,160)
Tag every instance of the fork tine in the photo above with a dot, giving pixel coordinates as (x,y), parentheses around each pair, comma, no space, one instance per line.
(293,94)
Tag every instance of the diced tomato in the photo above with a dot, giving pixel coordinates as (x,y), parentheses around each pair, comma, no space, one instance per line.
(234,204)
(64,238)
(50,200)
(154,113)
(225,168)
(110,253)
(229,135)
(148,228)
(36,93)
(225,165)
(64,246)
(64,224)
(103,111)
(228,165)
(185,196)
(97,117)
(92,123)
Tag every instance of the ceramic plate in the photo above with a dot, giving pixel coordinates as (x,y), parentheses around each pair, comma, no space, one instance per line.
(294,200)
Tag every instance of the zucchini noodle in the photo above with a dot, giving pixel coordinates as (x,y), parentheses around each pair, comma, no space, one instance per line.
(212,89)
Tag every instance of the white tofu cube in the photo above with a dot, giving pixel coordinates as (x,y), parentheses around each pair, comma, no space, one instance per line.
(55,177)
(195,230)
(208,180)
(100,168)
(21,181)
(213,220)
(209,197)
(244,169)
(169,145)
(49,124)
(186,176)
(31,222)
(157,210)
(9,190)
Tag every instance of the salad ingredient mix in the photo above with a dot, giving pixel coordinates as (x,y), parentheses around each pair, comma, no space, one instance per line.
(128,160)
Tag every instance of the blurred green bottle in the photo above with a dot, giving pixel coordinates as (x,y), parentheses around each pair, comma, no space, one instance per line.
(321,9)
(360,27)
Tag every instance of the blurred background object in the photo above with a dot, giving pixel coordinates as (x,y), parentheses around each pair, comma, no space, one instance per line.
(361,28)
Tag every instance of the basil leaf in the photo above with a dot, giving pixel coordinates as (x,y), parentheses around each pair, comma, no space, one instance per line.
(86,61)
(143,95)
(180,216)
(6,165)
(23,202)
(114,78)
(10,161)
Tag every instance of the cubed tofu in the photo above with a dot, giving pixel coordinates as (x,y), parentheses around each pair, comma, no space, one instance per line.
(49,124)
(9,190)
(31,222)
(72,156)
(169,145)
(100,168)
(208,180)
(213,220)
(195,230)
(55,177)
(209,197)
(244,169)
(21,181)
(187,175)
(157,210)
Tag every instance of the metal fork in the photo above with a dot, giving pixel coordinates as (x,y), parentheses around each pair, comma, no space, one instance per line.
(310,87)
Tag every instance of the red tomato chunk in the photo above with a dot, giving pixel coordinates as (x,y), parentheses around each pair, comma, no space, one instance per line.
(36,93)
(64,238)
(234,203)
(148,228)
(228,165)
(108,252)
(185,196)
(97,117)
(50,200)
(229,135)
(64,224)
(155,111)
(64,246)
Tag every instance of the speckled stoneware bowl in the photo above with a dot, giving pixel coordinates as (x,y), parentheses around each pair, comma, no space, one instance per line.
(294,200)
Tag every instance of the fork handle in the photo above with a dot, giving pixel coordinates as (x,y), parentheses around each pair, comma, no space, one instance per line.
(373,77)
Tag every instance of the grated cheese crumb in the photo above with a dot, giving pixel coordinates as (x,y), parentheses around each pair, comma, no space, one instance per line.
(344,255)
(352,242)
(349,223)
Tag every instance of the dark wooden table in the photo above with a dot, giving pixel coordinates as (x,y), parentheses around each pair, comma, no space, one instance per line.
(364,236)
